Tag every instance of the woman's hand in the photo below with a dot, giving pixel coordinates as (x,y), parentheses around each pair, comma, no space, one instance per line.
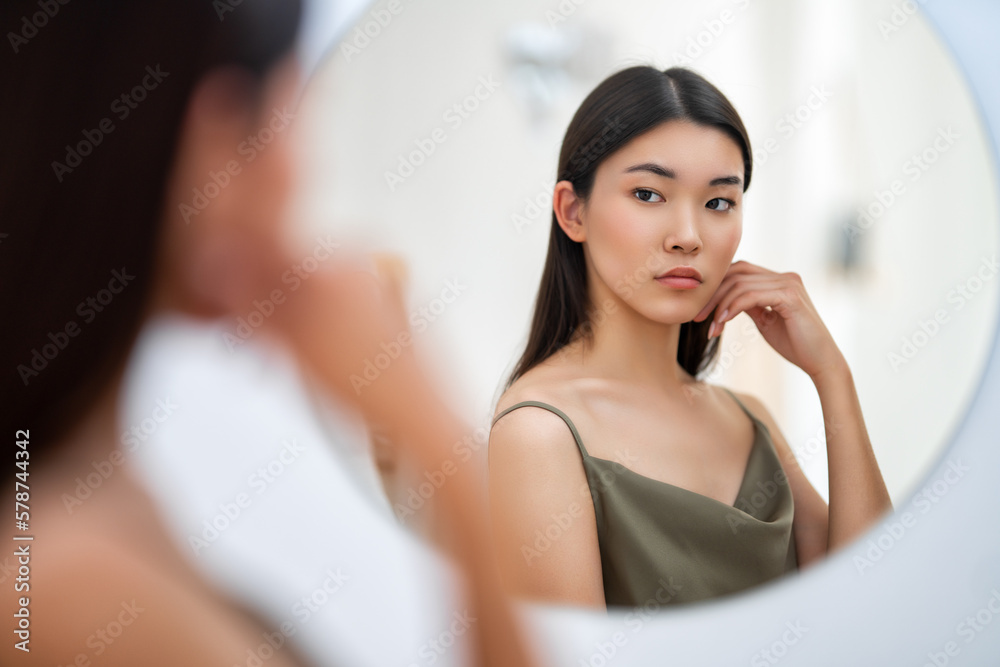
(781,309)
(349,327)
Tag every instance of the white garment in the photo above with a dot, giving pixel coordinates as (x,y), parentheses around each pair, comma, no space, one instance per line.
(271,501)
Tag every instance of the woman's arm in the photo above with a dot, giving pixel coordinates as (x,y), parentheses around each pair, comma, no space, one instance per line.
(417,417)
(858,497)
(343,318)
(544,527)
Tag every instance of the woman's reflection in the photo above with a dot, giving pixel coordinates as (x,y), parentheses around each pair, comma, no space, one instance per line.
(663,488)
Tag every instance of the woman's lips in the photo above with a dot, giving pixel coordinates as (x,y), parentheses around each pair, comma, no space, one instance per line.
(679,282)
(680,277)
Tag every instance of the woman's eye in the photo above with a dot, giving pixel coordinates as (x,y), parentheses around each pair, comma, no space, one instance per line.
(719,204)
(647,195)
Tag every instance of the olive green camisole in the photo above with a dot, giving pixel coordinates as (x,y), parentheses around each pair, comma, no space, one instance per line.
(664,545)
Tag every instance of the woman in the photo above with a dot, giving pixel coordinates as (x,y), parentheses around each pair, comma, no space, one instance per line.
(617,477)
(131,186)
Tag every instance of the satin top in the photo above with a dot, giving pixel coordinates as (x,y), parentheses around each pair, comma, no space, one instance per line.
(666,545)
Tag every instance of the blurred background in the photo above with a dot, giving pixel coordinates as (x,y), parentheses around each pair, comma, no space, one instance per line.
(432,130)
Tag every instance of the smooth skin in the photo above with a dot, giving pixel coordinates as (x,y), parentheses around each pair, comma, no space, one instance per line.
(114,548)
(670,197)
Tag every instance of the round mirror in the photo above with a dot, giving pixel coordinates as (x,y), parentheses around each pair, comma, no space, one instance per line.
(435,131)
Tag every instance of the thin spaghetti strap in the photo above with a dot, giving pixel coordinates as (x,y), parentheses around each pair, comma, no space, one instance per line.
(745,409)
(550,408)
(738,401)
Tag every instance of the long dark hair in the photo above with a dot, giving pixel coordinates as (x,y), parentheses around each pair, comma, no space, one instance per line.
(83,178)
(625,105)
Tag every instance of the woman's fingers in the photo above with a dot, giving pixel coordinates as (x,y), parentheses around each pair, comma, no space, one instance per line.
(773,295)
(731,293)
(736,270)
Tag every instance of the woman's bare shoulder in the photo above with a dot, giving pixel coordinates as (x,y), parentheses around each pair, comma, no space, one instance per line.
(546,382)
(564,383)
(99,598)
(535,428)
(756,406)
(536,472)
(106,567)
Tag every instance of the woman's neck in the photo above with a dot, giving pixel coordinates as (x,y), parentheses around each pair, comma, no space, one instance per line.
(626,346)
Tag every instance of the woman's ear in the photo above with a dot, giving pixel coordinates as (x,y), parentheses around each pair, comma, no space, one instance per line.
(569,211)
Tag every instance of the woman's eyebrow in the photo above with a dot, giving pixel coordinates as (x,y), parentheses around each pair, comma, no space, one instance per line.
(654,168)
(726,180)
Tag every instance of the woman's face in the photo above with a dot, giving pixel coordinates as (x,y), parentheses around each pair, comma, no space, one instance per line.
(669,198)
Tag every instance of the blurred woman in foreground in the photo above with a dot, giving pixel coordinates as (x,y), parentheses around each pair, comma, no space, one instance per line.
(132,185)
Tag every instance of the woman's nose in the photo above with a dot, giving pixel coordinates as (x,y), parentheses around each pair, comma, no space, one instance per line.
(682,230)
